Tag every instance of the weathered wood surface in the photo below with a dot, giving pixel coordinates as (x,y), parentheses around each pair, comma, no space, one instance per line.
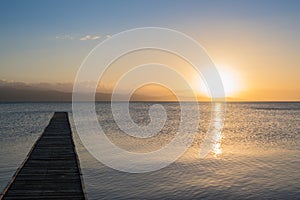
(51,169)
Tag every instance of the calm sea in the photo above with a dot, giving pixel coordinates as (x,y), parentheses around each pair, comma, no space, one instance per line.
(257,155)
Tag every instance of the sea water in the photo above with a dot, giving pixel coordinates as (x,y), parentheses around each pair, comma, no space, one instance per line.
(257,155)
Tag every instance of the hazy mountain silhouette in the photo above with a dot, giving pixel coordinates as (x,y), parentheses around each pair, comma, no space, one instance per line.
(53,92)
(28,94)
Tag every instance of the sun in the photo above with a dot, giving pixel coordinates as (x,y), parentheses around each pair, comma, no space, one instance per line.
(229,79)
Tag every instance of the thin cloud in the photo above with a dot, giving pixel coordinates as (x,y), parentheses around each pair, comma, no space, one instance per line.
(81,38)
(86,37)
(90,37)
(96,37)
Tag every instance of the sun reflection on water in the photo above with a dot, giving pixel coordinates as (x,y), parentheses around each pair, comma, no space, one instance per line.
(214,138)
(216,148)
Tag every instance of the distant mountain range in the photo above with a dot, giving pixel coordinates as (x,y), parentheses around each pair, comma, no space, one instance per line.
(45,92)
(28,94)
(9,94)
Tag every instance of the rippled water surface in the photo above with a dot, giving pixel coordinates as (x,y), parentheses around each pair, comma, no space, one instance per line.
(256,155)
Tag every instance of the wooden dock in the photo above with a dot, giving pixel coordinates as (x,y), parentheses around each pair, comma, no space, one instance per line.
(51,169)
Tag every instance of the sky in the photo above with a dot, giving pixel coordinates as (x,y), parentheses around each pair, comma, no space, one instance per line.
(255,44)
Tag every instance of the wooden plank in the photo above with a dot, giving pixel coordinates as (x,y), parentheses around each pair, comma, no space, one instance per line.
(51,170)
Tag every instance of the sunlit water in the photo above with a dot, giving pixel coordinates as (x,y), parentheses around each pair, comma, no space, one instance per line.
(256,155)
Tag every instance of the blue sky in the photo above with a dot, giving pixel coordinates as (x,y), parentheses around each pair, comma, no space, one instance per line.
(40,40)
(52,17)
